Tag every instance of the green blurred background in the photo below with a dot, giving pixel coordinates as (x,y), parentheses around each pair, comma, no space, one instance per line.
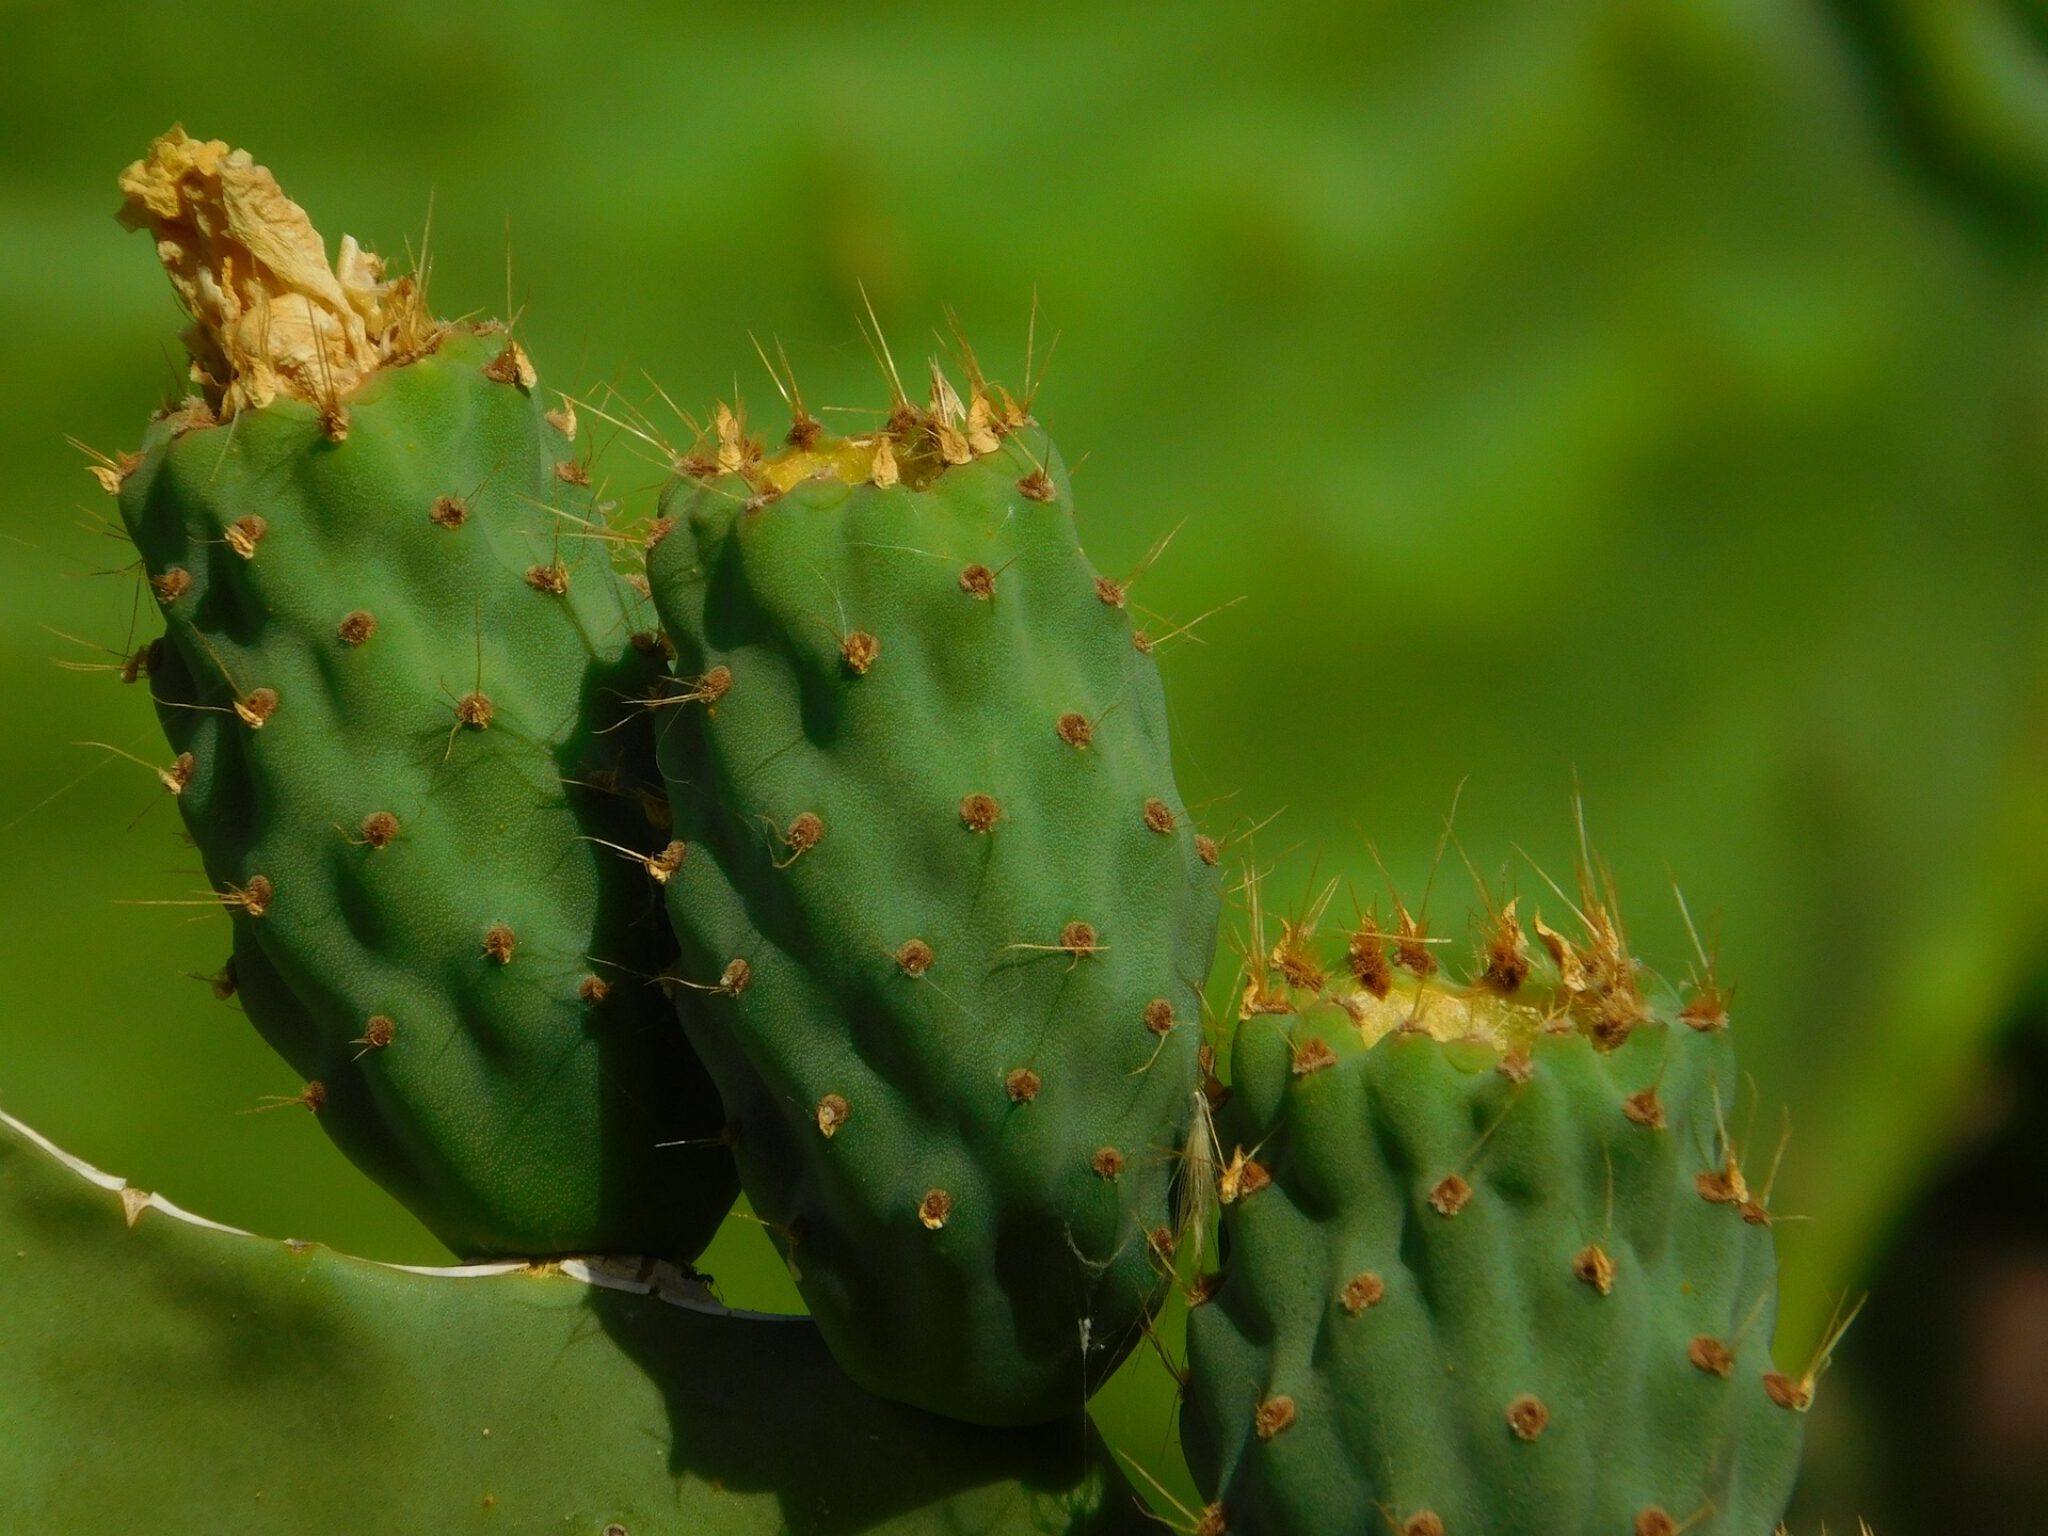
(1642,396)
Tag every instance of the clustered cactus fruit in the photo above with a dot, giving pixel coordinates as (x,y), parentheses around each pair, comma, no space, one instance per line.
(838,851)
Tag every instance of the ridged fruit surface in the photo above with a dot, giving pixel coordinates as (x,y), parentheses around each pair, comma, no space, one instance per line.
(943,913)
(401,681)
(1490,1260)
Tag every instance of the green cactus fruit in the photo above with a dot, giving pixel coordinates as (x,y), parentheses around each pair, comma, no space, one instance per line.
(162,1373)
(400,675)
(942,902)
(1490,1262)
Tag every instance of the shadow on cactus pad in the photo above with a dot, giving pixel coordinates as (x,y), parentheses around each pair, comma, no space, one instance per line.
(161,1372)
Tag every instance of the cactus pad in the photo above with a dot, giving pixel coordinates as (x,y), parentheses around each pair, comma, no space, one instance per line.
(942,902)
(162,1373)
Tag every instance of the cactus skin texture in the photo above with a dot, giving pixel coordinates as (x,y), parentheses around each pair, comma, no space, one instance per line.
(159,1374)
(400,684)
(1489,1263)
(942,897)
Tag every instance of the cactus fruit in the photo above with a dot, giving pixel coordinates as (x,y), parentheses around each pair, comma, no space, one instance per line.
(399,672)
(944,912)
(163,1373)
(1490,1259)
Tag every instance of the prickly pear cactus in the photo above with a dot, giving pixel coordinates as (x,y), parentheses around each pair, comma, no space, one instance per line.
(1491,1263)
(943,912)
(398,675)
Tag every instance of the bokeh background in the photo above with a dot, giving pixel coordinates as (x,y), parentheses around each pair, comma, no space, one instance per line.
(1622,398)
